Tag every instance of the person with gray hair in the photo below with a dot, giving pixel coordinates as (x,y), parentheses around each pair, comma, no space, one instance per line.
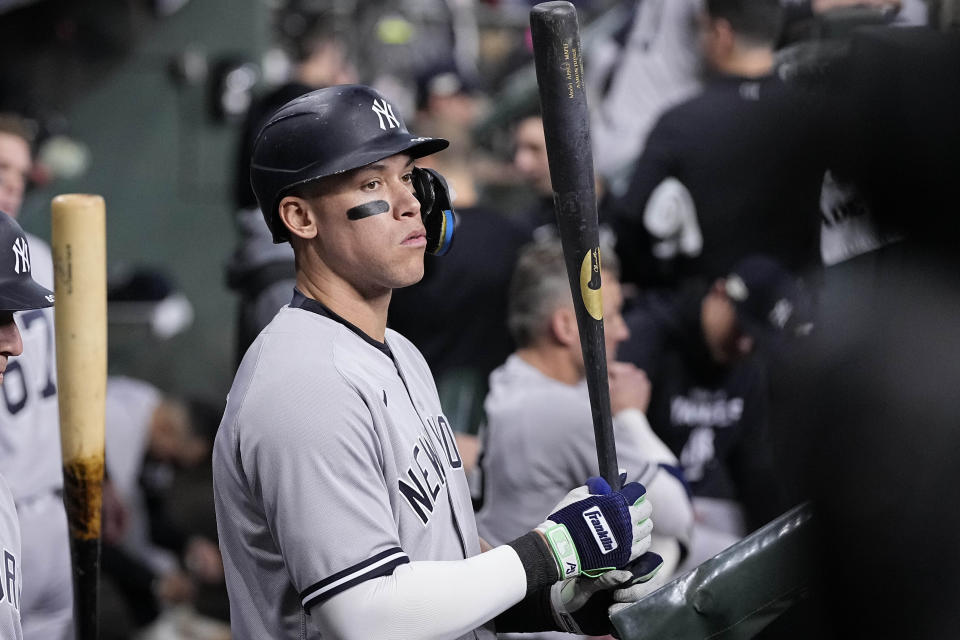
(538,440)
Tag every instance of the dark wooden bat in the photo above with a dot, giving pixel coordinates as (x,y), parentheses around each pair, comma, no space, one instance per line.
(563,104)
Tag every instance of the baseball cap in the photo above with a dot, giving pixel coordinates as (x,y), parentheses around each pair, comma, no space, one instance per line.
(326,132)
(18,290)
(772,303)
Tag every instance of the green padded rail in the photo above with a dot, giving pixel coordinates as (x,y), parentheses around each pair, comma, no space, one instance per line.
(735,594)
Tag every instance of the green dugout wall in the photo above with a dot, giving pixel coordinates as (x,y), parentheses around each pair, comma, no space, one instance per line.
(163,162)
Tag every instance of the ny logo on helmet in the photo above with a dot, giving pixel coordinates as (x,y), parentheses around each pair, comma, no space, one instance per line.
(21,254)
(384,109)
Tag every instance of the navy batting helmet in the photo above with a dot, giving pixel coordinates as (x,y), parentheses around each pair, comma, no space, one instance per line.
(323,133)
(18,290)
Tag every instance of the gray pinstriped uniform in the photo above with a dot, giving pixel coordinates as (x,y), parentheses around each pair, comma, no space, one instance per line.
(333,465)
(31,465)
(10,572)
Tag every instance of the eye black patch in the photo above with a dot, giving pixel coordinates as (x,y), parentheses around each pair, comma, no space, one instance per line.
(368,209)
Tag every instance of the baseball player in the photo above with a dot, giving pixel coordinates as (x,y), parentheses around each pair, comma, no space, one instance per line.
(30,424)
(342,505)
(18,293)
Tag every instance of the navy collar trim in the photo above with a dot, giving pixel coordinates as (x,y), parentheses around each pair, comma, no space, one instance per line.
(301,301)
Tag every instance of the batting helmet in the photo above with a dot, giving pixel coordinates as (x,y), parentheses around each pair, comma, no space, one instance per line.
(323,133)
(18,290)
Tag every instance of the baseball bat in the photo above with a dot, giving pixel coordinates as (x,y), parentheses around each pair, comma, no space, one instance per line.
(80,285)
(563,104)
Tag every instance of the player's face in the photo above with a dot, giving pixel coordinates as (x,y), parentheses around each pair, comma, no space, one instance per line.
(15,165)
(374,252)
(716,40)
(615,328)
(721,329)
(10,342)
(530,155)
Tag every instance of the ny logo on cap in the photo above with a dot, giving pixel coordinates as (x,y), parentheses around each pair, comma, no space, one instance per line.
(21,255)
(384,109)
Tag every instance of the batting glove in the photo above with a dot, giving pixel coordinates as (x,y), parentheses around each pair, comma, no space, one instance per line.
(595,529)
(582,605)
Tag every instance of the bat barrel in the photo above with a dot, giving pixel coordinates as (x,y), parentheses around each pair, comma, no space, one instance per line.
(79,256)
(563,99)
(563,104)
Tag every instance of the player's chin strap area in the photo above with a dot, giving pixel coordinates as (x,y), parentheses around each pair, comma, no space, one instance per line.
(435,209)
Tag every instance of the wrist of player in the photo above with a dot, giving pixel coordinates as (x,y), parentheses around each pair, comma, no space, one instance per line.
(595,529)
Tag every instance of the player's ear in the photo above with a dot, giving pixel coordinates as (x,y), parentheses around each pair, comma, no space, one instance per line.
(298,216)
(724,35)
(563,325)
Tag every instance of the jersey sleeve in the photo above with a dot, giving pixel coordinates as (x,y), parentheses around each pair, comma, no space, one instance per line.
(318,469)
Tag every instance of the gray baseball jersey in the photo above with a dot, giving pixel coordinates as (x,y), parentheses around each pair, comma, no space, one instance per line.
(538,444)
(30,461)
(10,576)
(333,465)
(29,414)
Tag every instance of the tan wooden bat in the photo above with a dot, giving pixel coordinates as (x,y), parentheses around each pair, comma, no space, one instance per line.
(80,285)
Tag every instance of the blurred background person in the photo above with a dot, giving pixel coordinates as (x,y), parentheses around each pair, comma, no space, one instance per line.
(709,401)
(646,66)
(866,413)
(530,162)
(735,170)
(155,563)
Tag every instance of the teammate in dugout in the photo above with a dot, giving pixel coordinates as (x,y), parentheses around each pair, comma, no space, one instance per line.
(342,506)
(18,292)
(30,421)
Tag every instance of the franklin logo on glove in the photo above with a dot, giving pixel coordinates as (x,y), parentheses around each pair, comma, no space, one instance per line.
(600,529)
(617,521)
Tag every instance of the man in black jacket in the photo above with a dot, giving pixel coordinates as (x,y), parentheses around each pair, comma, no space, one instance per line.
(702,349)
(735,170)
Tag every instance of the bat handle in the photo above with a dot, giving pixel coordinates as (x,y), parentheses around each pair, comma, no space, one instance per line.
(86,582)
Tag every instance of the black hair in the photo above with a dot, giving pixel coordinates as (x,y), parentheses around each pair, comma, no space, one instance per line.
(757,21)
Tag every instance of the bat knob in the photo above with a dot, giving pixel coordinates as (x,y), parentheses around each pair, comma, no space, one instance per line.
(556,9)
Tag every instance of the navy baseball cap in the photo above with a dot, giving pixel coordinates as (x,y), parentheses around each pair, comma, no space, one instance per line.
(772,303)
(18,290)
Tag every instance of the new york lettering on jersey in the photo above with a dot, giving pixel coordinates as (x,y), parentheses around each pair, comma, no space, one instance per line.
(439,448)
(10,586)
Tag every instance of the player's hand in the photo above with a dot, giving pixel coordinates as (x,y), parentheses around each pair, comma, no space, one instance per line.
(583,605)
(595,529)
(629,387)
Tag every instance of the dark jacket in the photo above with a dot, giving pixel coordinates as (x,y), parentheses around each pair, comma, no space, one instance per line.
(713,417)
